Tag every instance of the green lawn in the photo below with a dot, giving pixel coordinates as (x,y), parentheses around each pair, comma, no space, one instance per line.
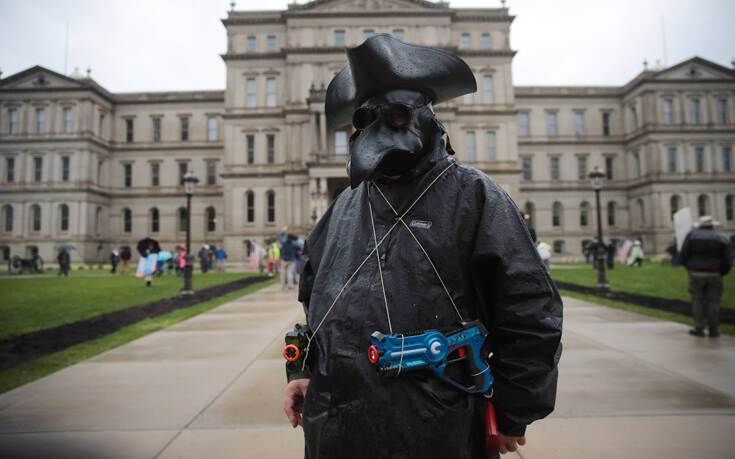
(48,364)
(31,304)
(652,279)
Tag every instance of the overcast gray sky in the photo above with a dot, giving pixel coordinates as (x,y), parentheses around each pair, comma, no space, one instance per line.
(158,45)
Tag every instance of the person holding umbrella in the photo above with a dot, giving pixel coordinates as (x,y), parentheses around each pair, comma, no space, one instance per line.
(148,249)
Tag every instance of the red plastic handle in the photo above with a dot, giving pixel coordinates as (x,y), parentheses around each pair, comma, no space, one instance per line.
(291,353)
(373,355)
(492,441)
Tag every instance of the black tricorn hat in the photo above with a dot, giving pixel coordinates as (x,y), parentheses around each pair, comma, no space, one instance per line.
(382,63)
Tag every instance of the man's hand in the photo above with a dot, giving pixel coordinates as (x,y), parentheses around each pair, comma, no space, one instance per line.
(294,404)
(509,443)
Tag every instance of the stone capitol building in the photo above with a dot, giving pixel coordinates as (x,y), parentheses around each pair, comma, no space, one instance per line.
(84,166)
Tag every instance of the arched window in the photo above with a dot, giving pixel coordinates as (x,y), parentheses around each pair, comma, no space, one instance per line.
(675,204)
(155,220)
(182,219)
(250,207)
(729,204)
(641,212)
(584,211)
(530,210)
(35,217)
(98,221)
(270,198)
(8,219)
(211,219)
(611,208)
(64,217)
(127,220)
(556,211)
(703,205)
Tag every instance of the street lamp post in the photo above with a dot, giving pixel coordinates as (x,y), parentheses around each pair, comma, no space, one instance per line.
(596,178)
(190,184)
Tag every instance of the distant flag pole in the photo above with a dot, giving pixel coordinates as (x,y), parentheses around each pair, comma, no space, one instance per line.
(66,47)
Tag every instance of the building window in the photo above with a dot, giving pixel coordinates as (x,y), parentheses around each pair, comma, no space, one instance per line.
(675,204)
(340,145)
(40,120)
(729,203)
(270,198)
(699,159)
(467,99)
(584,211)
(558,247)
(127,220)
(5,250)
(703,205)
(668,105)
(671,157)
(212,129)
(642,212)
(10,170)
(270,92)
(182,220)
(582,168)
(465,41)
(579,124)
(155,220)
(726,164)
(99,172)
(252,43)
(67,120)
(183,169)
(250,209)
(695,111)
(470,147)
(551,123)
(37,169)
(100,124)
(398,34)
(339,37)
(64,217)
(722,111)
(609,166)
(13,117)
(554,169)
(156,129)
(606,124)
(211,173)
(485,40)
(184,128)
(271,148)
(490,146)
(367,34)
(250,92)
(611,213)
(98,220)
(250,139)
(128,175)
(556,211)
(526,168)
(211,219)
(524,124)
(8,219)
(129,130)
(155,174)
(35,218)
(271,42)
(634,112)
(65,168)
(487,93)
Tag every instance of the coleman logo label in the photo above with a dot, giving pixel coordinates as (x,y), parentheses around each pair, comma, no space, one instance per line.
(421,224)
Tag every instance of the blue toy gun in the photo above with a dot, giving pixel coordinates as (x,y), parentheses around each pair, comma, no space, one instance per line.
(454,357)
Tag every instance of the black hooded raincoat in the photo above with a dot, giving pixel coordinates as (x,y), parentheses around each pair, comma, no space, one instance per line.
(480,246)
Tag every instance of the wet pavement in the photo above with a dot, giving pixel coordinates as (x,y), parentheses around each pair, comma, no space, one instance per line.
(629,386)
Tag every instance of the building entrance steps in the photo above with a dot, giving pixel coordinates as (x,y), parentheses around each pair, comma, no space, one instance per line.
(212,386)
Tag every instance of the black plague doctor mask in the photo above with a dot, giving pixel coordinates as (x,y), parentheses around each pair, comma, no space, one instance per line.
(387,91)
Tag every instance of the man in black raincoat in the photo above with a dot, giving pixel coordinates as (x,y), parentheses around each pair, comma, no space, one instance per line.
(451,247)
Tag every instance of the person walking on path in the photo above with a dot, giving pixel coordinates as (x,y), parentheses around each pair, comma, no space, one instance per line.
(125,256)
(221,256)
(288,253)
(204,258)
(114,260)
(636,255)
(64,260)
(611,251)
(544,251)
(706,258)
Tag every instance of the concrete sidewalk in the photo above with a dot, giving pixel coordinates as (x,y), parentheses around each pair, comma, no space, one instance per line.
(212,386)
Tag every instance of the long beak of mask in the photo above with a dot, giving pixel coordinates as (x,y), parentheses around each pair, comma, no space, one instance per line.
(383,151)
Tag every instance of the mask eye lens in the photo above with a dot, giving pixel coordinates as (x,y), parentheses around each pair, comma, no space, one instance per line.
(400,115)
(363,117)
